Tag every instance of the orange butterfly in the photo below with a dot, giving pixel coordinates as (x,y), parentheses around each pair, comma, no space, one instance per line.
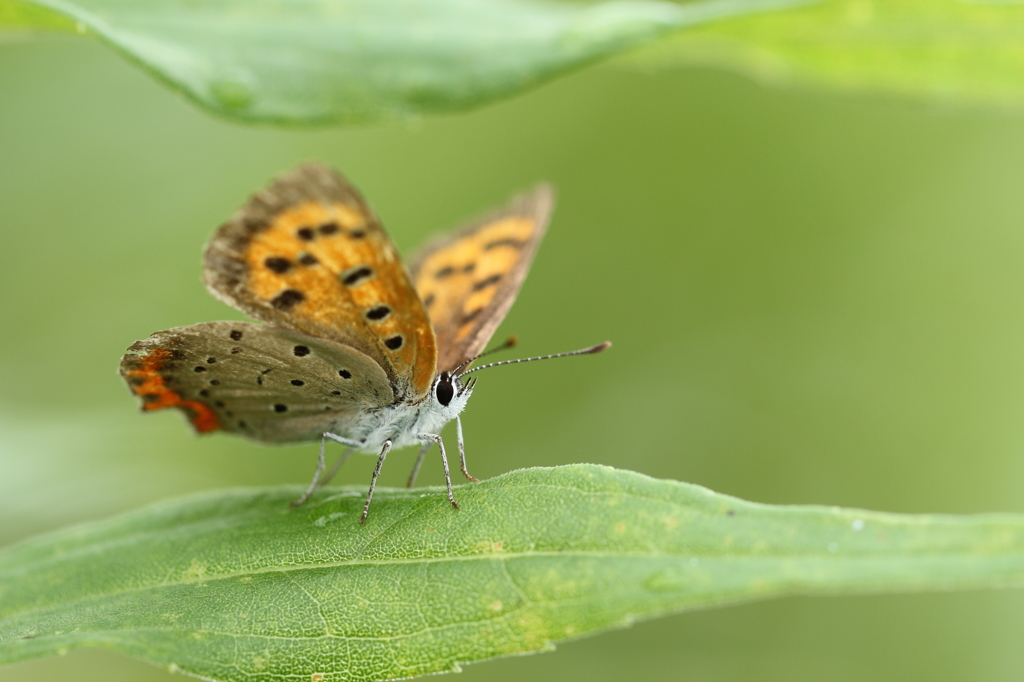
(354,349)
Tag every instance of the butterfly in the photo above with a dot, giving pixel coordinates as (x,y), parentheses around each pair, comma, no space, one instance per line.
(351,347)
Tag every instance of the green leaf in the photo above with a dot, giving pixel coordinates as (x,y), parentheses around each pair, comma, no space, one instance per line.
(15,14)
(348,61)
(357,61)
(947,49)
(235,585)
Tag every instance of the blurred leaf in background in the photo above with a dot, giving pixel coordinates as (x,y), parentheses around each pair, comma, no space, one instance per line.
(358,61)
(947,50)
(365,60)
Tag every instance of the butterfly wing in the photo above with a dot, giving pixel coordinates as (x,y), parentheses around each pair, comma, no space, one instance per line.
(308,254)
(468,281)
(265,383)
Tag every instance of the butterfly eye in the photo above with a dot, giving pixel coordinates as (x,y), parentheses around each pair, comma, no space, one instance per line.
(444,391)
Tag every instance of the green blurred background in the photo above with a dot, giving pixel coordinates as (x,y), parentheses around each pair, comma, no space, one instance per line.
(814,298)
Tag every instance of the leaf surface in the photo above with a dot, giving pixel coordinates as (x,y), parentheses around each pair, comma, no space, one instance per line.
(235,585)
(357,61)
(960,50)
(16,14)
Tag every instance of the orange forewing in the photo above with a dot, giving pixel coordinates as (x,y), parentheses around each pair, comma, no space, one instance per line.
(309,255)
(468,282)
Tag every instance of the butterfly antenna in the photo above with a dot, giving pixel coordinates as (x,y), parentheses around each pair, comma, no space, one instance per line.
(583,351)
(509,343)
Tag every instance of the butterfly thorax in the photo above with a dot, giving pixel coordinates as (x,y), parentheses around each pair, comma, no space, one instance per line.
(403,423)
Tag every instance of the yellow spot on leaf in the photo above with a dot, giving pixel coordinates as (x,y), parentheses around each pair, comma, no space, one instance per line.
(196,569)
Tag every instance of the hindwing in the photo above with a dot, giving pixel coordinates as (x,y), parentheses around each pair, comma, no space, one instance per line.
(265,383)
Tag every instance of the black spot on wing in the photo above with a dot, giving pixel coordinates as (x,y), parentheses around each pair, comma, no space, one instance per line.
(486,282)
(278,264)
(395,342)
(306,234)
(236,335)
(328,228)
(356,275)
(288,299)
(508,241)
(472,315)
(300,351)
(378,312)
(308,259)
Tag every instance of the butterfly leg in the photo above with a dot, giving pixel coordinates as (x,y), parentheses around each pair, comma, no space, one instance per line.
(344,441)
(444,461)
(462,451)
(418,464)
(316,476)
(351,444)
(320,465)
(337,465)
(373,481)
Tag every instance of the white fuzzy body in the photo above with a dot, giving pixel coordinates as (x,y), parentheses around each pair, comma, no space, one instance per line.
(403,424)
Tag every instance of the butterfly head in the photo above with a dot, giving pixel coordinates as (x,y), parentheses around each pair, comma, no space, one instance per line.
(451,394)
